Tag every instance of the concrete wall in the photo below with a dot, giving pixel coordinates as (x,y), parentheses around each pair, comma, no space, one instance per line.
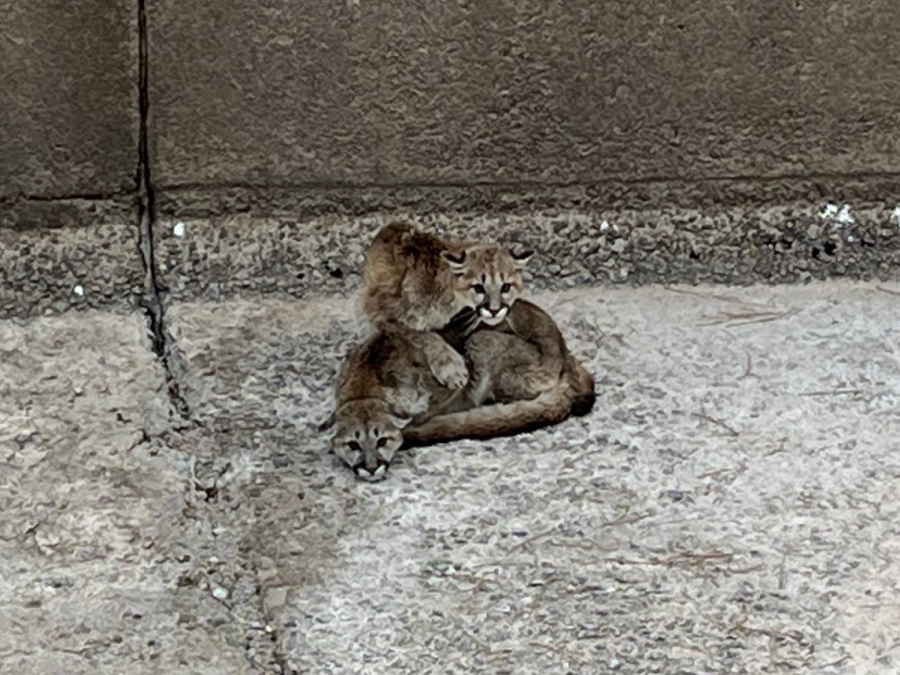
(389,92)
(511,91)
(407,92)
(68,105)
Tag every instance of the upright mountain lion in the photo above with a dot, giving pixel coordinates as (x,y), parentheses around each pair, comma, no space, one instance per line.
(415,282)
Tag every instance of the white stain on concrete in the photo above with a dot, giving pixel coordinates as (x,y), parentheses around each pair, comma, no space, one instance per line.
(844,216)
(895,215)
(841,215)
(829,211)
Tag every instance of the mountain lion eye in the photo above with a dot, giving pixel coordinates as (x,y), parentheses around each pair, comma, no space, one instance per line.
(478,288)
(353,445)
(381,442)
(505,288)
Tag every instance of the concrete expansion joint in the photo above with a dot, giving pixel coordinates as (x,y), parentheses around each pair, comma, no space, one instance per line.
(153,304)
(278,657)
(21,197)
(152,300)
(532,184)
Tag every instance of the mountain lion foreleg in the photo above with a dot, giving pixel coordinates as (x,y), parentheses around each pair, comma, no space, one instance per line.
(446,364)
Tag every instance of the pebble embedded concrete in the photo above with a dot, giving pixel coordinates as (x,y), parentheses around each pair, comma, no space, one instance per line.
(730,505)
(318,248)
(50,272)
(240,255)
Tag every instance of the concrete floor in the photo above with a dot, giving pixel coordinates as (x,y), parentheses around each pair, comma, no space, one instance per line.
(730,506)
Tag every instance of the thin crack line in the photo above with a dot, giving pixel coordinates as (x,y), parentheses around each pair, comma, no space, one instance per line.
(533,184)
(152,302)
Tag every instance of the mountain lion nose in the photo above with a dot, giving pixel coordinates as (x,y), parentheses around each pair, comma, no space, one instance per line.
(375,473)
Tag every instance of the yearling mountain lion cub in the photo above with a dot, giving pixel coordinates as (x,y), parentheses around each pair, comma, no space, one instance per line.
(386,393)
(415,283)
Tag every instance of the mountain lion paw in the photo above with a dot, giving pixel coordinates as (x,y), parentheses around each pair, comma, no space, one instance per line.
(450,370)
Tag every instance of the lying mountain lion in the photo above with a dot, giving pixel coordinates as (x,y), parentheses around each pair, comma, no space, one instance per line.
(521,377)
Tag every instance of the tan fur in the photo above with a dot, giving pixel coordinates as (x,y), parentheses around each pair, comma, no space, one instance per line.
(386,383)
(416,282)
(523,367)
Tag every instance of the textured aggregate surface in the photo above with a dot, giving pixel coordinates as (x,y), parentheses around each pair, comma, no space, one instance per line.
(730,506)
(295,257)
(49,272)
(314,245)
(709,517)
(103,567)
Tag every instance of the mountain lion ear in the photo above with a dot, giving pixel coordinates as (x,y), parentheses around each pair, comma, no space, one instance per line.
(457,261)
(521,257)
(399,420)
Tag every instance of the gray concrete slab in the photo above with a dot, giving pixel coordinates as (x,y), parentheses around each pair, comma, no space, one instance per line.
(591,90)
(244,94)
(729,506)
(102,568)
(68,100)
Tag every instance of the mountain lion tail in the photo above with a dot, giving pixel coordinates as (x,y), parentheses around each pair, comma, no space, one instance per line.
(496,420)
(582,388)
(574,395)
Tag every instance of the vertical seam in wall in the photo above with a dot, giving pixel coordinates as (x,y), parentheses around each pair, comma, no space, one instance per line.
(145,191)
(152,302)
(381,60)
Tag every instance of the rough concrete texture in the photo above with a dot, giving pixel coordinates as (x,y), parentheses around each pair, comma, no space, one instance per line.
(49,271)
(255,93)
(104,567)
(242,255)
(319,249)
(68,99)
(50,214)
(730,506)
(468,92)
